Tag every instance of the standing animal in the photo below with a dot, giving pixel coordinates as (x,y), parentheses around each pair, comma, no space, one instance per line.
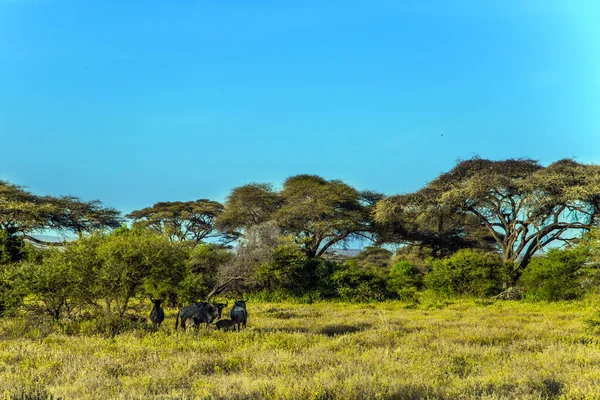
(225,324)
(238,313)
(157,315)
(201,312)
(220,306)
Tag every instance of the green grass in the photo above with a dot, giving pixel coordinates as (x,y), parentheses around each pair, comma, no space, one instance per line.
(444,350)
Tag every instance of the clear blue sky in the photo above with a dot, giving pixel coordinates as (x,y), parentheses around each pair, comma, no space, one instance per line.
(133,102)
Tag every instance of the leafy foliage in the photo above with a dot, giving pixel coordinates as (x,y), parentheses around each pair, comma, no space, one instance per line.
(190,220)
(404,280)
(556,276)
(104,272)
(522,205)
(317,212)
(467,272)
(23,213)
(353,283)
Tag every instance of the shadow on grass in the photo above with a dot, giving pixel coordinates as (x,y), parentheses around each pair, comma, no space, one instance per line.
(297,329)
(342,329)
(284,313)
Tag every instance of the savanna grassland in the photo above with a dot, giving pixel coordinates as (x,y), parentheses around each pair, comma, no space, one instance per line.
(439,349)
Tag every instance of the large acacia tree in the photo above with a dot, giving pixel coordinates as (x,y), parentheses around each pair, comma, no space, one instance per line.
(413,220)
(317,212)
(523,205)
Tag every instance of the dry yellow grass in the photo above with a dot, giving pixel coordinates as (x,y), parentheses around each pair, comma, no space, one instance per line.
(462,350)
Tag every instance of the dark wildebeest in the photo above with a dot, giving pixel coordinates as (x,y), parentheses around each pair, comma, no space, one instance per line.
(220,306)
(225,324)
(157,315)
(198,312)
(238,313)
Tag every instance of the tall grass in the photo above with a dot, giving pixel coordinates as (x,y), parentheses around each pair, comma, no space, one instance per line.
(459,349)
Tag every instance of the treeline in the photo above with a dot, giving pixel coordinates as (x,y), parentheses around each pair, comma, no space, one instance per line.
(476,230)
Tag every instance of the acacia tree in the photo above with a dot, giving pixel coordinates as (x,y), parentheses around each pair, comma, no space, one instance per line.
(523,206)
(178,220)
(317,212)
(436,229)
(23,214)
(80,217)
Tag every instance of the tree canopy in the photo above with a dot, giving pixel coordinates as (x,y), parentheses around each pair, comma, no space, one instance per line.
(178,220)
(523,206)
(23,213)
(317,212)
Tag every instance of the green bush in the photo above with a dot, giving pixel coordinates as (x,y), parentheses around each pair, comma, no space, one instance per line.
(353,283)
(12,289)
(104,273)
(557,276)
(404,280)
(53,285)
(287,270)
(467,272)
(12,248)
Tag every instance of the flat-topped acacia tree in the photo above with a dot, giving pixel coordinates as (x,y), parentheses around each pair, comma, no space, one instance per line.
(317,212)
(22,214)
(182,220)
(523,205)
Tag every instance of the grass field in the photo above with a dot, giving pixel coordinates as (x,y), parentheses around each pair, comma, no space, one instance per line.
(459,349)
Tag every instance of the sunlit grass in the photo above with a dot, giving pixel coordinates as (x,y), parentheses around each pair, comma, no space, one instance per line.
(440,350)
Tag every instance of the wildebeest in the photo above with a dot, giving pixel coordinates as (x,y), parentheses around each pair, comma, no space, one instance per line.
(225,324)
(220,306)
(238,313)
(201,312)
(157,315)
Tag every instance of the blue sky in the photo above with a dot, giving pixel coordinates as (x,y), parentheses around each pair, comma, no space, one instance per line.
(134,102)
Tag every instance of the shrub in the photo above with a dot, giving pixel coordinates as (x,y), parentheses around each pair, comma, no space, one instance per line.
(556,276)
(104,272)
(12,248)
(53,285)
(374,257)
(404,280)
(287,270)
(469,272)
(12,289)
(353,283)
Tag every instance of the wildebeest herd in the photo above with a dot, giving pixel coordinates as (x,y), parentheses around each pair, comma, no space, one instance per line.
(203,312)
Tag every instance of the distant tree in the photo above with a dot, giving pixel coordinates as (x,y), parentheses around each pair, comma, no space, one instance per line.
(23,214)
(317,212)
(249,205)
(178,220)
(79,216)
(522,205)
(374,257)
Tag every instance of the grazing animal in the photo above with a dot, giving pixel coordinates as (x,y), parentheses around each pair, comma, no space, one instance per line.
(220,306)
(225,324)
(238,313)
(201,312)
(157,315)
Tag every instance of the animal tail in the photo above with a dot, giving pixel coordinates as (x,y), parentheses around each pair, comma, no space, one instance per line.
(177,320)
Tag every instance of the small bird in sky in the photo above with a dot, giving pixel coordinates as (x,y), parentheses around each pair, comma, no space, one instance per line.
(442,134)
